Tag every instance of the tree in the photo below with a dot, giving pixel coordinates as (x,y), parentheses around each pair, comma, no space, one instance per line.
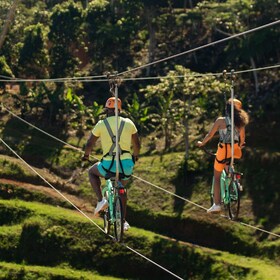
(34,59)
(64,30)
(8,22)
(5,70)
(181,97)
(111,29)
(139,113)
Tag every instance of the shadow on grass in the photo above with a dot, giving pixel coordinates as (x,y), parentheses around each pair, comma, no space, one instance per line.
(261,181)
(187,178)
(32,145)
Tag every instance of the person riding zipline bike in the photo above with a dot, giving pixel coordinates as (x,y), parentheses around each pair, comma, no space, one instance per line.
(223,154)
(106,130)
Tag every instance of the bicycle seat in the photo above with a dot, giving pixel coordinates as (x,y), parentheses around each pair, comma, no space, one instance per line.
(112,175)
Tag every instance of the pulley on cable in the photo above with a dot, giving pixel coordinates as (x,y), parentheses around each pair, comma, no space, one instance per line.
(114,82)
(232,80)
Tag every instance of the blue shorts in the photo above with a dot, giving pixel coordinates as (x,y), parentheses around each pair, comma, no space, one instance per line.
(127,165)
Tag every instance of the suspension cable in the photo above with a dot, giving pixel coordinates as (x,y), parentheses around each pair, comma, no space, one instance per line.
(232,129)
(151,184)
(201,47)
(91,79)
(162,189)
(61,194)
(57,80)
(80,211)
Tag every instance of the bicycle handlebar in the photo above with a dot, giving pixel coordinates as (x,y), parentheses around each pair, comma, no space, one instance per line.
(87,159)
(207,151)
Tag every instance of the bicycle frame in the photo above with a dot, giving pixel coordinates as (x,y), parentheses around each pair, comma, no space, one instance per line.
(230,191)
(110,197)
(114,213)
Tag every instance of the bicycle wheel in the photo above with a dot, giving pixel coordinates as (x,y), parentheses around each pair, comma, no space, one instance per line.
(118,223)
(106,221)
(211,193)
(106,217)
(234,200)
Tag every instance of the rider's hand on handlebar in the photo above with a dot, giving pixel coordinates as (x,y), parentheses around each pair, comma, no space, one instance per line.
(134,158)
(85,158)
(199,144)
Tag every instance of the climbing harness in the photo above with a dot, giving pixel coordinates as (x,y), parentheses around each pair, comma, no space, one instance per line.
(232,134)
(226,137)
(115,146)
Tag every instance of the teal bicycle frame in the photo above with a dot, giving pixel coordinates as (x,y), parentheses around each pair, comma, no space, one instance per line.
(230,192)
(113,215)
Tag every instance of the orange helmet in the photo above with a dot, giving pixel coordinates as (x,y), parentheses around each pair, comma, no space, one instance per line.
(237,103)
(110,103)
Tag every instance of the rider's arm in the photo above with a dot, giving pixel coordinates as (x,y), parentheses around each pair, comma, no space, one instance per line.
(211,133)
(89,145)
(136,145)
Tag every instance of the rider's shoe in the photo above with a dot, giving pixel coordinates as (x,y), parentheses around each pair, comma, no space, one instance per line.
(240,187)
(214,209)
(101,205)
(126,225)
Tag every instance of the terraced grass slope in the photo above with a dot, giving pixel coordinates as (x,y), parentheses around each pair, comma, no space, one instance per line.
(45,240)
(39,229)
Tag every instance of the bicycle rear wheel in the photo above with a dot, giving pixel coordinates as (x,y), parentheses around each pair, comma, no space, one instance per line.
(106,217)
(118,223)
(234,200)
(106,221)
(211,193)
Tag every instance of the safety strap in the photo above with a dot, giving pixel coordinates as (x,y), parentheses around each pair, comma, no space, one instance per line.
(225,159)
(122,174)
(113,137)
(227,136)
(111,151)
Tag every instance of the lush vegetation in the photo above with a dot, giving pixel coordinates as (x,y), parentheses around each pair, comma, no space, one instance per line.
(74,44)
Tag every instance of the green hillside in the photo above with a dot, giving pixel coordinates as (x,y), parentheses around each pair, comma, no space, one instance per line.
(169,56)
(182,238)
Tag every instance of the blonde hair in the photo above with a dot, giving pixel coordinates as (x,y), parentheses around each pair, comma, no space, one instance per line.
(237,103)
(241,118)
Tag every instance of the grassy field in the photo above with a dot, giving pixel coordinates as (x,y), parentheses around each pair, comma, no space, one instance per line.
(42,236)
(39,239)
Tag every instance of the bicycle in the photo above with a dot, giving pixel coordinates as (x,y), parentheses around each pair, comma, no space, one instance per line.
(230,189)
(114,214)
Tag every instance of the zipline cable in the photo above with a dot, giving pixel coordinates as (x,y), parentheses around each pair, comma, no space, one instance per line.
(89,80)
(81,212)
(201,47)
(58,80)
(44,132)
(147,182)
(191,202)
(159,188)
(61,194)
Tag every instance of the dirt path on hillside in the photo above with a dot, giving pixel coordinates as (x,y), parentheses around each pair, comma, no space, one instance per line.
(82,204)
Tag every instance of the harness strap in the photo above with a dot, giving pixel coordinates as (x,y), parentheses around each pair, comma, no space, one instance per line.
(122,174)
(111,151)
(113,137)
(226,138)
(225,159)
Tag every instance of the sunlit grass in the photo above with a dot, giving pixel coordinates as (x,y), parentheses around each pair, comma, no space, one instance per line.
(43,272)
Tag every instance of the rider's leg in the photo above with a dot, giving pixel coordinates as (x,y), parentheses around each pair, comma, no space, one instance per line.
(94,178)
(217,187)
